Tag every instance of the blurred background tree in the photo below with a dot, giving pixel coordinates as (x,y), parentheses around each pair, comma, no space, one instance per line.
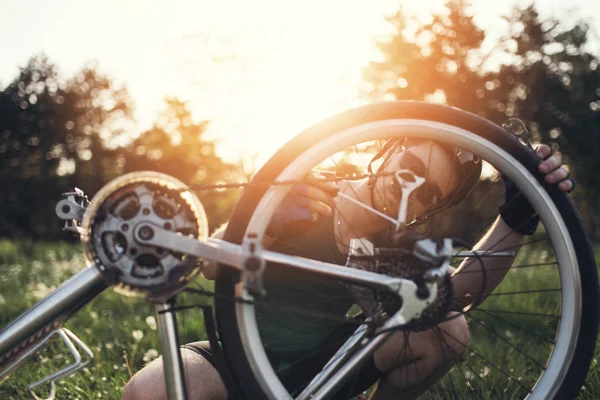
(176,146)
(52,135)
(542,74)
(56,135)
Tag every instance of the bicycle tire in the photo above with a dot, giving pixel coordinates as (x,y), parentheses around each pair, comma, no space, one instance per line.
(232,335)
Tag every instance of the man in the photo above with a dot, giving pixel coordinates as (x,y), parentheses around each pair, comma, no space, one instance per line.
(399,374)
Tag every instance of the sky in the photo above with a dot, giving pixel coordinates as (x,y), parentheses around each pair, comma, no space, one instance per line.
(261,71)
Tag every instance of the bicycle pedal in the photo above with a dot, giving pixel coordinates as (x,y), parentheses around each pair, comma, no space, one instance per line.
(71,209)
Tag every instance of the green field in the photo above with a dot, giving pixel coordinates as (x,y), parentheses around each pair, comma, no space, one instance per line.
(122,332)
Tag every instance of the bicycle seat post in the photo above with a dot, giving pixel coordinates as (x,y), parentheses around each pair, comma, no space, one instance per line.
(169,345)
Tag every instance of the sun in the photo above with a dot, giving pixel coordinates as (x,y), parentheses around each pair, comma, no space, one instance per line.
(264,71)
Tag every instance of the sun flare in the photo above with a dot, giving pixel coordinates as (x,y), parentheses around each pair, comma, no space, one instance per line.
(269,75)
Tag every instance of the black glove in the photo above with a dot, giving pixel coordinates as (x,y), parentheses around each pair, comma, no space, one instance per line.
(516,211)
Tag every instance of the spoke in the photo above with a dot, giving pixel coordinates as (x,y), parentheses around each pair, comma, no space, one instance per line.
(404,352)
(485,359)
(513,293)
(486,227)
(430,228)
(448,374)
(520,313)
(516,326)
(437,329)
(540,239)
(415,362)
(507,342)
(311,354)
(368,208)
(514,267)
(536,240)
(519,227)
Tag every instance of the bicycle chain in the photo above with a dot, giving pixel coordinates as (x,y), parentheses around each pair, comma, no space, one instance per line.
(336,178)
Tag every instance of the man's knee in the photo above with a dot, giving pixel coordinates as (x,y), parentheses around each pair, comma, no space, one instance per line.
(147,384)
(454,336)
(202,380)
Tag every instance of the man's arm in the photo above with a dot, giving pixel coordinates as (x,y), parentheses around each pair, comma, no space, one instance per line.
(467,279)
(303,202)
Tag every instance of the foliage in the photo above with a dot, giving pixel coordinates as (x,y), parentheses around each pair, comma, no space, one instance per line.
(176,146)
(542,74)
(58,134)
(121,331)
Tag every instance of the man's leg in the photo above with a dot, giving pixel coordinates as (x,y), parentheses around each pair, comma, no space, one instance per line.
(416,361)
(202,380)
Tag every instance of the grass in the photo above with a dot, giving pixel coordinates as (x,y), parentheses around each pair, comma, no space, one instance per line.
(121,331)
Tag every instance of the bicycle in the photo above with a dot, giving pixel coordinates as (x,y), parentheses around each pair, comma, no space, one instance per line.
(146,233)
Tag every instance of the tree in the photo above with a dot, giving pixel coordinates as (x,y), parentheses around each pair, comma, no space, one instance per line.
(177,146)
(546,78)
(438,60)
(554,84)
(52,137)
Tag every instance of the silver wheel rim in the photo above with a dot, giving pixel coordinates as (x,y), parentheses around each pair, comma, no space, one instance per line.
(568,330)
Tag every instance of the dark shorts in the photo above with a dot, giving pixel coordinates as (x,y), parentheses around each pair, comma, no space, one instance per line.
(296,369)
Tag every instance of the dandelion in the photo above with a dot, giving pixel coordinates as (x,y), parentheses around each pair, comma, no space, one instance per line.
(40,290)
(150,355)
(151,321)
(93,315)
(137,335)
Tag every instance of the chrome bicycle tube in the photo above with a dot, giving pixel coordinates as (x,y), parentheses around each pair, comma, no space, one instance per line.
(57,306)
(169,345)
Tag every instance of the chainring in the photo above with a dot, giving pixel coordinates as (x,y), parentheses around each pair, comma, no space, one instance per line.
(110,222)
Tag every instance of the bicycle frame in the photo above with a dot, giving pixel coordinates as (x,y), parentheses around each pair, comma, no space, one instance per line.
(30,328)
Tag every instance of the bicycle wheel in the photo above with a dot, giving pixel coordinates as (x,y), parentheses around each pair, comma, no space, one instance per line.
(533,335)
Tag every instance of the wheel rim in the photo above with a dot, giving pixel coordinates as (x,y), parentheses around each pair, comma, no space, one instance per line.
(568,326)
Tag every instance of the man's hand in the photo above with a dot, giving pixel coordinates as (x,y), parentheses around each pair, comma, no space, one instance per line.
(516,211)
(553,169)
(304,204)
